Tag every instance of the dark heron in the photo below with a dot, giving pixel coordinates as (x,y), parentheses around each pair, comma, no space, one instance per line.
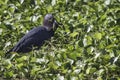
(37,36)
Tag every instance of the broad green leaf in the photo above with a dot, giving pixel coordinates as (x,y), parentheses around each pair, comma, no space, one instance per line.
(74,34)
(21,59)
(35,70)
(53,65)
(98,36)
(87,40)
(20,65)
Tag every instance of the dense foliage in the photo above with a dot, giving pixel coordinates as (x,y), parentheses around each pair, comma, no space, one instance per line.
(86,48)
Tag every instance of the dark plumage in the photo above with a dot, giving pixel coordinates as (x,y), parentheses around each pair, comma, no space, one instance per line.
(36,36)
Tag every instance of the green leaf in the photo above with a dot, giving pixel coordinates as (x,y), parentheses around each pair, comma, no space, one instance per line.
(53,66)
(98,36)
(9,74)
(20,65)
(35,70)
(21,59)
(74,34)
(87,40)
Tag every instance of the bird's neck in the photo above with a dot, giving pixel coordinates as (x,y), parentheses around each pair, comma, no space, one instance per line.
(48,28)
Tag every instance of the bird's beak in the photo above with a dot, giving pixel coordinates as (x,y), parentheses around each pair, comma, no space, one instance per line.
(56,24)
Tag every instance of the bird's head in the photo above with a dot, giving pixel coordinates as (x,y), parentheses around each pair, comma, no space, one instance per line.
(50,22)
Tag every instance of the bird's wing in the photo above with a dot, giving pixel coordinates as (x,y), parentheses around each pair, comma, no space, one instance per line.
(28,39)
